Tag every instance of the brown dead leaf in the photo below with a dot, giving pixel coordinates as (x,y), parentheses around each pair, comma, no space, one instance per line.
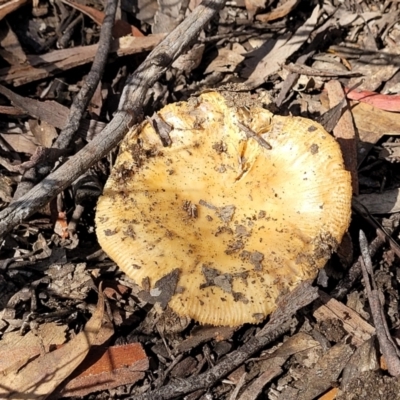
(374,73)
(372,123)
(11,49)
(283,48)
(61,225)
(20,142)
(364,359)
(14,347)
(120,29)
(252,392)
(190,60)
(313,382)
(253,5)
(279,12)
(270,363)
(387,202)
(201,334)
(50,111)
(43,131)
(344,132)
(227,59)
(39,378)
(167,16)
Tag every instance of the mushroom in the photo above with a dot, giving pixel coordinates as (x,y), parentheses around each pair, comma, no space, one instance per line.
(242,203)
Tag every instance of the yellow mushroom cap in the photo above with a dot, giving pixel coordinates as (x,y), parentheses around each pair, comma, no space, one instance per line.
(243,214)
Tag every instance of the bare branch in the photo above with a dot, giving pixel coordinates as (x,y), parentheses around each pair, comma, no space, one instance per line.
(386,343)
(130,113)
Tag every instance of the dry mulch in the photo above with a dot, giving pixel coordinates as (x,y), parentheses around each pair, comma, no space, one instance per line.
(73,78)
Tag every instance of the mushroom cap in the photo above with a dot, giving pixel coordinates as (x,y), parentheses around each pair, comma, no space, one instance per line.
(241,222)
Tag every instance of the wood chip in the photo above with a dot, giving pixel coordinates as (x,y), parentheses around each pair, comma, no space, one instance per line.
(327,370)
(252,392)
(358,328)
(107,368)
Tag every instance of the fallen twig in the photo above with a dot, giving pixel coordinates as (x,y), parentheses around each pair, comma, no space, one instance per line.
(309,71)
(354,272)
(89,86)
(79,103)
(130,113)
(383,236)
(279,323)
(387,346)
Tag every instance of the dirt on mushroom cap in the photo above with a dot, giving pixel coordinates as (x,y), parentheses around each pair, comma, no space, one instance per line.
(243,218)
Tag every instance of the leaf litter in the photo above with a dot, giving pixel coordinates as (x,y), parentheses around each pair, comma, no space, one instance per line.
(293,57)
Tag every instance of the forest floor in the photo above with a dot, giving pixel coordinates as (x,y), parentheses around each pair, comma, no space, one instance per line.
(74,78)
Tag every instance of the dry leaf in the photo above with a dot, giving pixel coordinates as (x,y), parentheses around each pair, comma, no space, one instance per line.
(50,111)
(190,60)
(344,132)
(120,29)
(317,380)
(253,5)
(167,16)
(283,48)
(227,60)
(15,347)
(364,359)
(11,49)
(387,202)
(372,123)
(39,378)
(21,143)
(375,73)
(43,131)
(252,392)
(279,12)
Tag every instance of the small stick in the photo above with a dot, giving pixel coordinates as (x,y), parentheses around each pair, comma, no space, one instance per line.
(388,348)
(279,323)
(250,134)
(79,104)
(130,113)
(309,71)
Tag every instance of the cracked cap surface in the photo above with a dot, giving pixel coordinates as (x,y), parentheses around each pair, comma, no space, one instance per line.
(242,217)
